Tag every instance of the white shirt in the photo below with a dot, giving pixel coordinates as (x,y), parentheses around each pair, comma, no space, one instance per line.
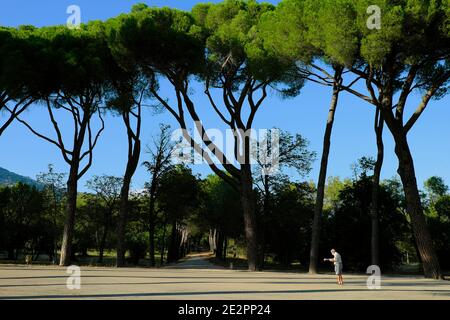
(337,258)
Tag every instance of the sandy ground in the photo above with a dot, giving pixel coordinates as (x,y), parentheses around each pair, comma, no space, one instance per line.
(196,278)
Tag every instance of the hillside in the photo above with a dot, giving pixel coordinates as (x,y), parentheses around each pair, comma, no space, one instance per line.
(11,178)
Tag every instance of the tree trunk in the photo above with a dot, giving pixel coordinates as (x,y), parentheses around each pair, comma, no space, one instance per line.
(225,247)
(416,249)
(172,255)
(134,152)
(219,245)
(151,232)
(263,229)
(103,242)
(124,204)
(424,242)
(121,226)
(211,238)
(55,227)
(375,254)
(315,238)
(163,242)
(55,238)
(152,221)
(100,255)
(248,206)
(72,189)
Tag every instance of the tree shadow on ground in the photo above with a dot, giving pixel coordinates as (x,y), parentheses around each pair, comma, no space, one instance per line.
(201,293)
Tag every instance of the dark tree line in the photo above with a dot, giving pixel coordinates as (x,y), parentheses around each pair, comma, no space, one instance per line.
(207,216)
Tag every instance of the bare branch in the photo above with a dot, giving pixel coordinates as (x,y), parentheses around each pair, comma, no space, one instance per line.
(55,125)
(254,107)
(91,144)
(99,132)
(213,104)
(406,90)
(370,88)
(165,104)
(205,138)
(15,112)
(61,148)
(358,94)
(420,109)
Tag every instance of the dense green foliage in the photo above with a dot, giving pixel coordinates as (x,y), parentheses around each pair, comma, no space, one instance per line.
(210,207)
(348,222)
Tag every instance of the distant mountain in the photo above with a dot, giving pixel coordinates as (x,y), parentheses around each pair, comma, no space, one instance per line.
(8,178)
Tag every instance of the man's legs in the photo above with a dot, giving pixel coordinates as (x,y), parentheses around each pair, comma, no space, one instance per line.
(338,270)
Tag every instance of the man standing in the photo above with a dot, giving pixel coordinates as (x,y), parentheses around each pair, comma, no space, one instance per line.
(337,260)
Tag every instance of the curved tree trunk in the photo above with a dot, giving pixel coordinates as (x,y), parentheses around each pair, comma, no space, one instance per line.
(422,235)
(248,206)
(134,152)
(374,241)
(69,225)
(123,215)
(73,158)
(315,238)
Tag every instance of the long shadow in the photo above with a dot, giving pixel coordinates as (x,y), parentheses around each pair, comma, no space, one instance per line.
(140,269)
(418,284)
(185,282)
(260,279)
(105,284)
(158,277)
(348,284)
(163,294)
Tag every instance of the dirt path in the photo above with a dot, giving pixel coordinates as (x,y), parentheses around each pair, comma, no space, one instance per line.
(195,261)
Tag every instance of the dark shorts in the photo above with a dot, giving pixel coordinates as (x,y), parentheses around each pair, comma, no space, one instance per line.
(338,268)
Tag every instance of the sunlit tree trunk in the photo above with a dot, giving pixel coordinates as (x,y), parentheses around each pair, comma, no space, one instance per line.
(315,238)
(424,242)
(134,152)
(69,225)
(248,206)
(375,254)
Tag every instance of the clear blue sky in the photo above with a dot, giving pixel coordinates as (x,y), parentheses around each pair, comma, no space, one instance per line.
(353,135)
